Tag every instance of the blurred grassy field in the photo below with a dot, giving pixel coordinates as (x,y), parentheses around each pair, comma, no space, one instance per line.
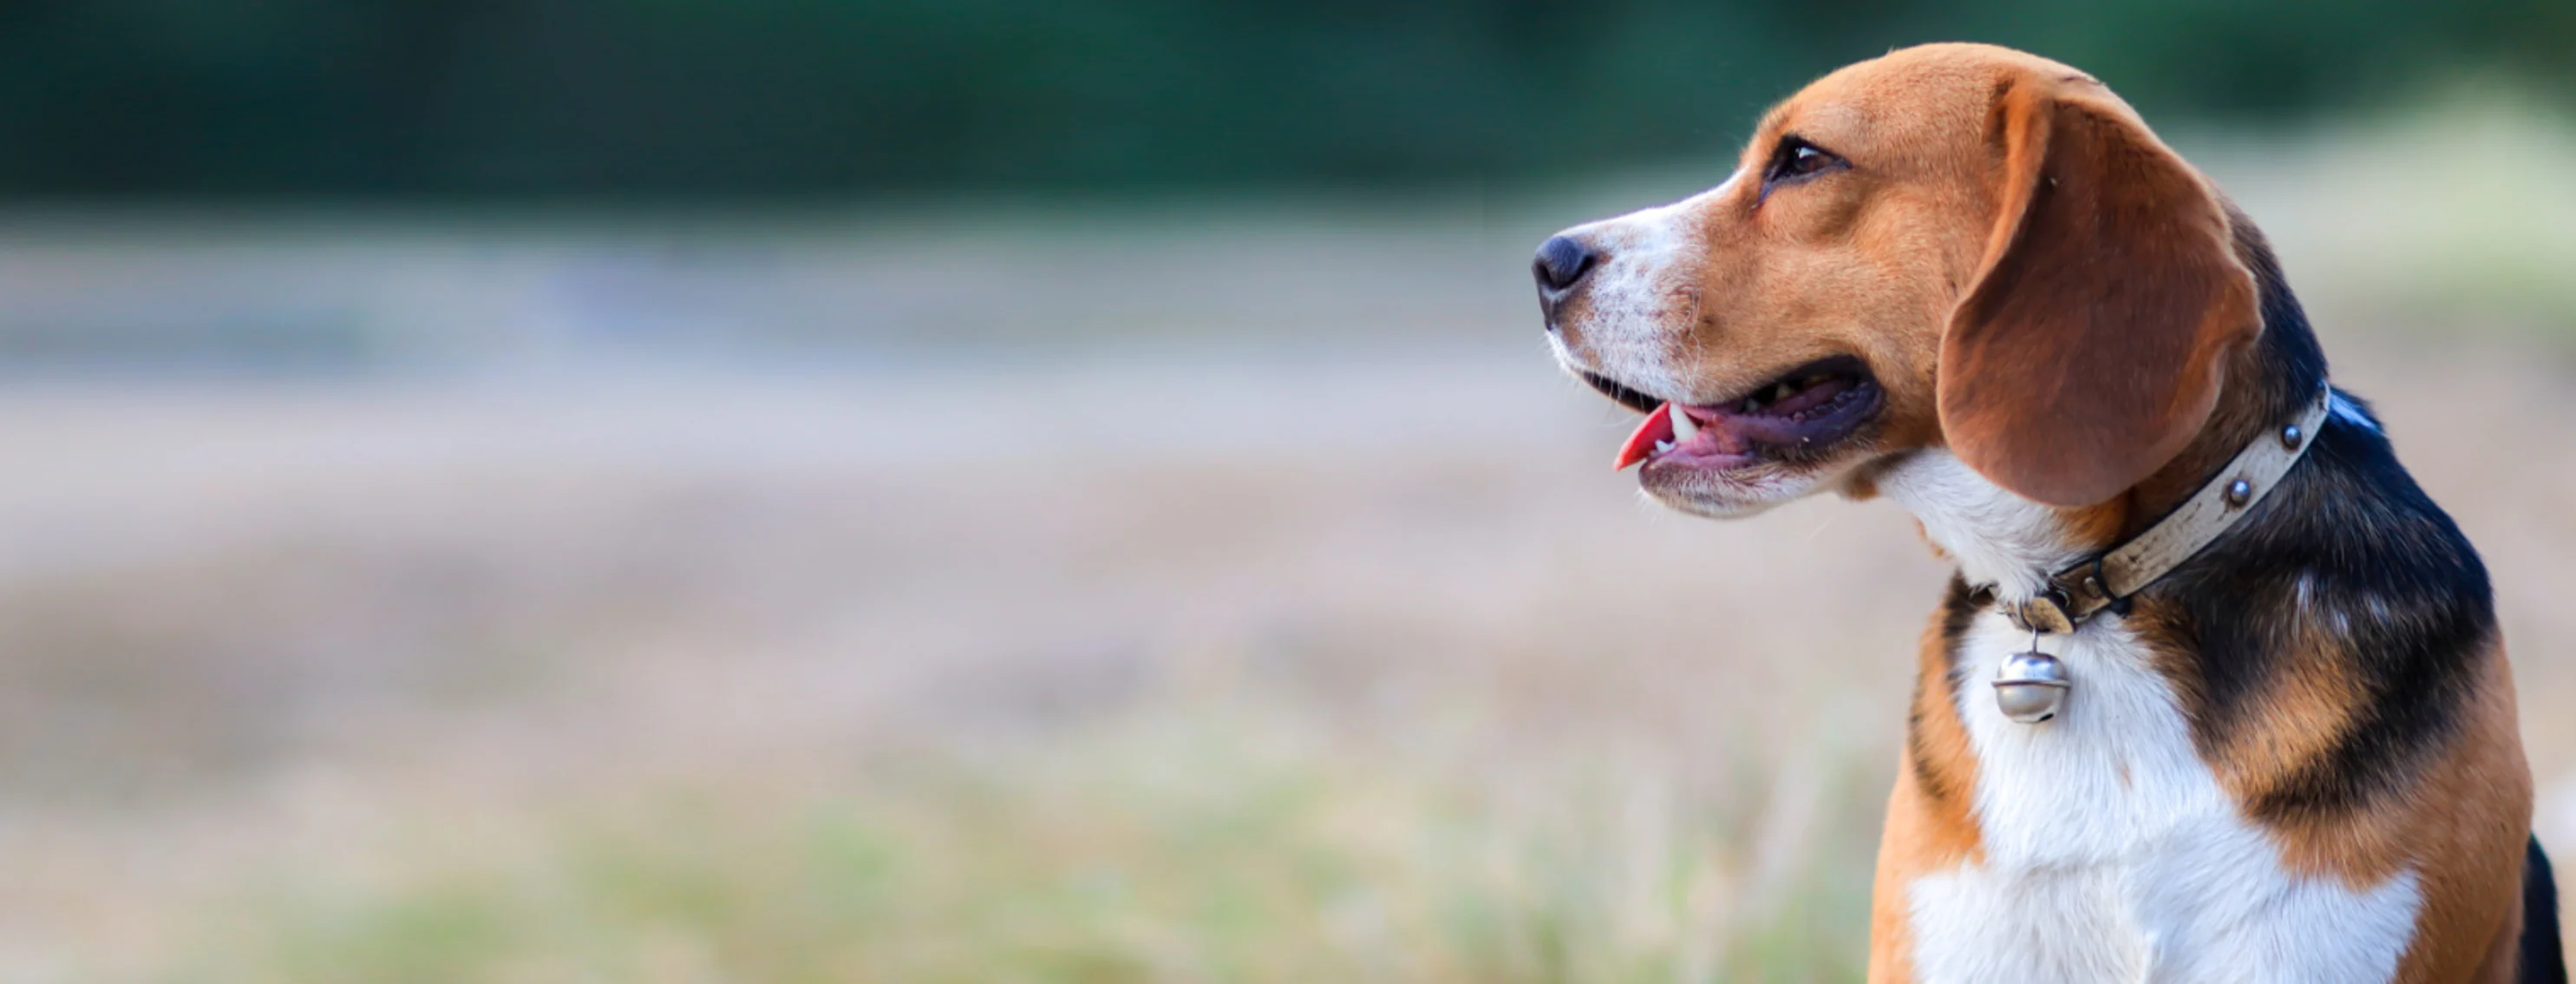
(1099,599)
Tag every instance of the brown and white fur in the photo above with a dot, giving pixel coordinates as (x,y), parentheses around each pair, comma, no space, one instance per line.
(1972,281)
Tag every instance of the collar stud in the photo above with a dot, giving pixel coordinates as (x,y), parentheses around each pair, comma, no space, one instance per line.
(2031,687)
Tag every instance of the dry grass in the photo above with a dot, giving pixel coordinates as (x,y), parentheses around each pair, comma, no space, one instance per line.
(1384,685)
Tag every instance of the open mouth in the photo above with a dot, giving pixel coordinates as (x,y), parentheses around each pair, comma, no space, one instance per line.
(1800,412)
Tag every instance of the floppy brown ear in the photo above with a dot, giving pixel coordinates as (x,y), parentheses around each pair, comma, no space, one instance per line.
(2090,347)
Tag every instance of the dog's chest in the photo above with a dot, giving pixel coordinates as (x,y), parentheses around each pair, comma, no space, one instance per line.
(2110,853)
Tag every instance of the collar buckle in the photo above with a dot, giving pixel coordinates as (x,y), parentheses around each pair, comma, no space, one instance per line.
(2050,612)
(2069,597)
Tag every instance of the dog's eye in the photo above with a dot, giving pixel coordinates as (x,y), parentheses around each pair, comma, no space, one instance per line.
(1797,159)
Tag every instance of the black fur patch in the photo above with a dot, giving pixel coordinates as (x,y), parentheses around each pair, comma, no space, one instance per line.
(2540,958)
(2349,550)
(1959,608)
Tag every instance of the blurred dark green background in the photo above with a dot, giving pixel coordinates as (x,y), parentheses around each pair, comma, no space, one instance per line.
(735,99)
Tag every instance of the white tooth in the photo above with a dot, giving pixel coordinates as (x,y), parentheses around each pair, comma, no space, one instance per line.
(1684,428)
(1782,393)
(1663,446)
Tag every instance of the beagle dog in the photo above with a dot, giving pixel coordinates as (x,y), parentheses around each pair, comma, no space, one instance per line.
(2217,694)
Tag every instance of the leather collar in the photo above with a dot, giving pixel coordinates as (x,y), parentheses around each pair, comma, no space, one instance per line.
(2108,579)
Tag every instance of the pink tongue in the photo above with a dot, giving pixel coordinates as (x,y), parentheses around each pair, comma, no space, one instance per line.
(1658,427)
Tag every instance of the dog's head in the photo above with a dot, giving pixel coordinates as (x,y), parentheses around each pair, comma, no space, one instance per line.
(1953,246)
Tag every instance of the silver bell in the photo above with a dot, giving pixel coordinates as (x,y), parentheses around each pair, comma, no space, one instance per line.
(2030,687)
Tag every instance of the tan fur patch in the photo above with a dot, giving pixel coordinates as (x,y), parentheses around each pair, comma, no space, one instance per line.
(1930,826)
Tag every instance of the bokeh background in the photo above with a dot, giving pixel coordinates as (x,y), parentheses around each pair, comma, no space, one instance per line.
(987,490)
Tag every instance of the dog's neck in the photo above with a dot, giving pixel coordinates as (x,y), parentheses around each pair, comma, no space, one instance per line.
(2002,539)
(2268,383)
(1994,536)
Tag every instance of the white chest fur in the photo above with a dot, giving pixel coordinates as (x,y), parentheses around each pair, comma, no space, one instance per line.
(2109,852)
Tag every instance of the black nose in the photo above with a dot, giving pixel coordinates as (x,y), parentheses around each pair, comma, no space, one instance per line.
(1561,264)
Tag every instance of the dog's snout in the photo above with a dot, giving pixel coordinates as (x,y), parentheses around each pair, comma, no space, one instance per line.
(1562,263)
